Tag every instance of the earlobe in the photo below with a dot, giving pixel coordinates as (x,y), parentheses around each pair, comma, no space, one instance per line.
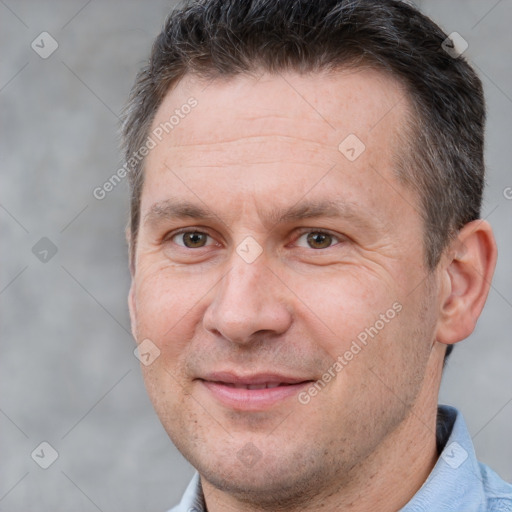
(466,281)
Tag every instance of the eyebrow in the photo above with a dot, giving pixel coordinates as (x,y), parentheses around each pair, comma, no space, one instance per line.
(182,209)
(176,209)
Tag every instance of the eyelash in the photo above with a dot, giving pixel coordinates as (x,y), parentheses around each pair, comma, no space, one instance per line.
(304,231)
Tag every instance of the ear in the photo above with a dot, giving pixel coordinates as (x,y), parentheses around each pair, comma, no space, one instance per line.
(466,279)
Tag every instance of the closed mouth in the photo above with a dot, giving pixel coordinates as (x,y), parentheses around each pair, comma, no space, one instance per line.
(265,385)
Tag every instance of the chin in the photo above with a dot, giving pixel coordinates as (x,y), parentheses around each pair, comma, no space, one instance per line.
(274,480)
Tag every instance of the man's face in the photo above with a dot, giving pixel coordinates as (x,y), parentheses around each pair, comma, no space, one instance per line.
(266,253)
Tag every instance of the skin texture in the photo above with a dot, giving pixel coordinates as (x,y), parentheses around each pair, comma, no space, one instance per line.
(253,146)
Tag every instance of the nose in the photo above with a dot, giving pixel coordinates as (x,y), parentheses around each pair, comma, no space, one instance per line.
(249,301)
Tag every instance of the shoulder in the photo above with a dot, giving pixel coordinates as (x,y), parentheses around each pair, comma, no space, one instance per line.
(498,493)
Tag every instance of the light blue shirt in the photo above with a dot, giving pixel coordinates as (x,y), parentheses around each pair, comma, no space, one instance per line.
(458,482)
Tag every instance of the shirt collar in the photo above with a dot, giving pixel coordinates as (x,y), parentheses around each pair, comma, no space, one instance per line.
(193,498)
(456,478)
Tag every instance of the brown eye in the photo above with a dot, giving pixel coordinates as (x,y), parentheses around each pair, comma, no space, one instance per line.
(318,240)
(191,239)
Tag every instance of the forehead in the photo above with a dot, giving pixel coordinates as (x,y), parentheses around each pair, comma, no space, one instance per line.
(276,137)
(328,103)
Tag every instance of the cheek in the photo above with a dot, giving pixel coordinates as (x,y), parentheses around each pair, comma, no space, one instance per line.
(167,307)
(344,304)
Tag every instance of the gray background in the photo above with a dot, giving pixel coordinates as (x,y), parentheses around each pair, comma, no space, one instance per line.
(67,371)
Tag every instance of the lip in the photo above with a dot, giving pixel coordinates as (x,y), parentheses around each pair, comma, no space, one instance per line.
(232,392)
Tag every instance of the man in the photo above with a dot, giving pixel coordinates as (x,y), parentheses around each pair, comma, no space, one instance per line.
(305,247)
